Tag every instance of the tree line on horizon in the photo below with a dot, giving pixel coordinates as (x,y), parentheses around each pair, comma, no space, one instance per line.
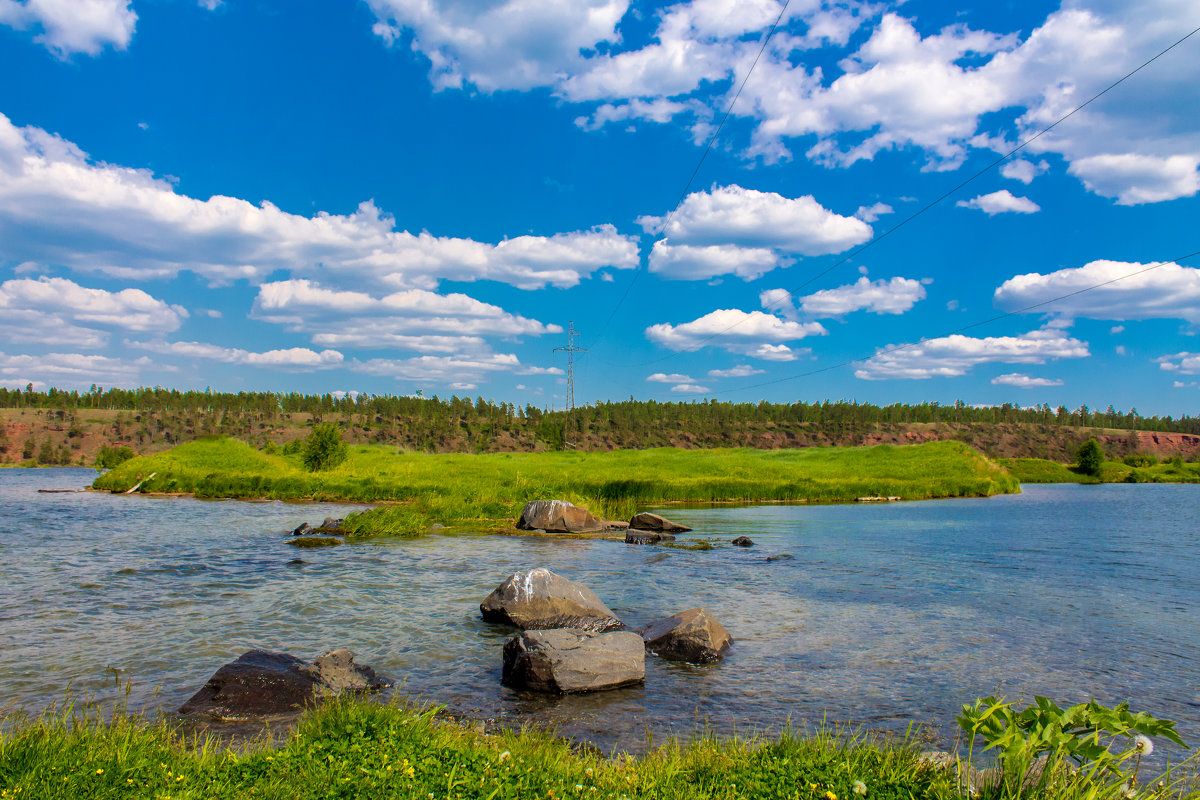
(628,414)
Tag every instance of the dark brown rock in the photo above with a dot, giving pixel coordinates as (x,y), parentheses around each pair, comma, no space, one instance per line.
(540,599)
(647,537)
(568,660)
(303,529)
(557,516)
(692,635)
(653,522)
(263,684)
(743,541)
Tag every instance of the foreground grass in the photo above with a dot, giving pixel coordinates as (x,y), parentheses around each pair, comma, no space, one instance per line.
(355,749)
(1038,470)
(487,491)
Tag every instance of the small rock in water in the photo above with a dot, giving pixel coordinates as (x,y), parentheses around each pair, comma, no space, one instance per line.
(296,562)
(567,660)
(315,541)
(330,525)
(303,529)
(261,683)
(653,522)
(780,557)
(539,599)
(743,541)
(693,635)
(557,516)
(647,537)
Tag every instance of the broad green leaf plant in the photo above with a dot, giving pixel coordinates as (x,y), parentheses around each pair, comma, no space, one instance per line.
(1081,741)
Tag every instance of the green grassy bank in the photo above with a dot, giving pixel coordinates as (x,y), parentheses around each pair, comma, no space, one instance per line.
(1038,470)
(487,491)
(361,750)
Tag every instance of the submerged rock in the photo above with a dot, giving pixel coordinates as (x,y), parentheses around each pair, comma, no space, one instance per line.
(315,541)
(647,537)
(693,635)
(653,522)
(557,516)
(743,541)
(568,660)
(780,557)
(261,683)
(540,599)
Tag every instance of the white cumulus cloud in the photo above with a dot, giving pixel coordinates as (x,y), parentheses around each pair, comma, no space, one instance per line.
(67,27)
(750,218)
(894,296)
(674,377)
(692,262)
(1134,179)
(952,356)
(754,334)
(690,388)
(1133,291)
(292,358)
(740,371)
(59,207)
(1001,202)
(414,319)
(1184,363)
(1023,381)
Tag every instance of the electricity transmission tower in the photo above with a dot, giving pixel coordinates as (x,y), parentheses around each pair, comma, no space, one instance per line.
(571,350)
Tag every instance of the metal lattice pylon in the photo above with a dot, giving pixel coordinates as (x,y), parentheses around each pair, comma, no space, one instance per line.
(571,350)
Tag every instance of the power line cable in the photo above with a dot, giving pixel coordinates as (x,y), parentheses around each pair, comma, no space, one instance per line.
(895,348)
(854,253)
(712,139)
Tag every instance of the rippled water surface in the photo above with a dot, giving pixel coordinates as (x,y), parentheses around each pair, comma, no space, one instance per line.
(877,615)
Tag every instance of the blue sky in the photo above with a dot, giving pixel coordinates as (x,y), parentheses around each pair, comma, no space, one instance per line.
(393,195)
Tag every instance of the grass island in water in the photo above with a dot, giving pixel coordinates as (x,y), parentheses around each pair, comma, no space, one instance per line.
(485,492)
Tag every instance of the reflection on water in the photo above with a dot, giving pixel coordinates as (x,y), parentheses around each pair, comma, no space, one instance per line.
(884,614)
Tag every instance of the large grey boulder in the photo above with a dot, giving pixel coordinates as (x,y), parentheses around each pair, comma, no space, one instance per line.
(568,660)
(540,599)
(653,522)
(261,683)
(693,635)
(557,516)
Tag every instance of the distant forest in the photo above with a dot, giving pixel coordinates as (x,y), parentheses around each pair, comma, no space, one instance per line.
(59,426)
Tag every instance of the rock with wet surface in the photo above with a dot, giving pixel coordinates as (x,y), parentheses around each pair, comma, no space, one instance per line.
(647,537)
(261,683)
(330,525)
(693,635)
(315,541)
(540,599)
(557,516)
(743,541)
(653,522)
(568,660)
(303,529)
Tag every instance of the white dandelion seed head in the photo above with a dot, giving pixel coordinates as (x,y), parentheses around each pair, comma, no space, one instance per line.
(860,788)
(1143,745)
(505,755)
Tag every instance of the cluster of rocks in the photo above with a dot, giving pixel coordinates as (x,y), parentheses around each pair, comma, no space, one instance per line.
(559,516)
(323,535)
(261,684)
(572,642)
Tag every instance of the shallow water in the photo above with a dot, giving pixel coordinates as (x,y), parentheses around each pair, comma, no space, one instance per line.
(883,615)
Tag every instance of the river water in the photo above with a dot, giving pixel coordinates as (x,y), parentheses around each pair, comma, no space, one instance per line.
(875,616)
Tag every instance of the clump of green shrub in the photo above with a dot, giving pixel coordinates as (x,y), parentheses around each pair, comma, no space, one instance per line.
(1140,460)
(1090,457)
(323,448)
(110,457)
